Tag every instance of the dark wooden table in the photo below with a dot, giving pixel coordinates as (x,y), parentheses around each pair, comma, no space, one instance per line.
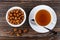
(27,6)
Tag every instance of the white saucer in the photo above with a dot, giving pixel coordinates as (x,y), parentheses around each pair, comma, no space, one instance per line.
(40,29)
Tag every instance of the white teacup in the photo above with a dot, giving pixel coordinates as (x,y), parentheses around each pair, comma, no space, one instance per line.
(46,9)
(12,8)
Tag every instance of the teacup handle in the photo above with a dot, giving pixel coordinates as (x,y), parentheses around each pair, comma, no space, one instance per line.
(33,21)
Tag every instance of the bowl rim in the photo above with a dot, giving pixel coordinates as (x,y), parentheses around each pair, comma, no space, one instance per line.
(12,8)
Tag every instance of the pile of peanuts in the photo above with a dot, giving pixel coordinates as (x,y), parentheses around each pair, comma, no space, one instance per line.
(17,32)
(15,16)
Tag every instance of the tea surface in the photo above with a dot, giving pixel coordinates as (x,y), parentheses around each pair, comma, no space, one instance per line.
(43,17)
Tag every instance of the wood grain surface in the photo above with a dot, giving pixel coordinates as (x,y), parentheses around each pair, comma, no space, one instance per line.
(27,6)
(27,0)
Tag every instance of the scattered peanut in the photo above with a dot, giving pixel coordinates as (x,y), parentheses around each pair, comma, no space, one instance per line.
(15,29)
(25,30)
(17,32)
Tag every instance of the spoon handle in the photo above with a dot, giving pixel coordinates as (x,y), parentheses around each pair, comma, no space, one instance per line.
(48,29)
(51,30)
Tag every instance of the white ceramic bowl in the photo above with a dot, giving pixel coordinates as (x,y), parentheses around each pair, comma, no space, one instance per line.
(12,8)
(39,28)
